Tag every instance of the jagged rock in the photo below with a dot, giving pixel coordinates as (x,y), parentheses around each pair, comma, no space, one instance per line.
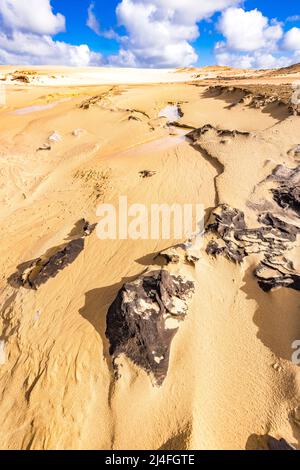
(278,444)
(197,133)
(257,97)
(287,192)
(283,229)
(273,239)
(288,197)
(269,276)
(144,318)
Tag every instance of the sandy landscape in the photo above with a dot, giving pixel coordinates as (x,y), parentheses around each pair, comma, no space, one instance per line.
(149,344)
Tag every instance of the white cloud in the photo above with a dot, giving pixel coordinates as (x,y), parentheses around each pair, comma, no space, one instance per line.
(257,60)
(253,41)
(26,36)
(160,31)
(34,16)
(25,48)
(92,21)
(248,30)
(292,39)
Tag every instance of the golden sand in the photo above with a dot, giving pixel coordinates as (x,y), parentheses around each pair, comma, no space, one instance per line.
(231,379)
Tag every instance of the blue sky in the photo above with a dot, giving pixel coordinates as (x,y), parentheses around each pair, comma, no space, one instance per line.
(150,33)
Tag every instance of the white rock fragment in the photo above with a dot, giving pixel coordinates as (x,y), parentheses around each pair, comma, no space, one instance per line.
(171,324)
(55,137)
(2,353)
(37,316)
(77,132)
(158,359)
(171,112)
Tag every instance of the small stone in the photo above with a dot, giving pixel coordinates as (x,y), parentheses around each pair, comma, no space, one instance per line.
(55,137)
(77,132)
(44,147)
(147,173)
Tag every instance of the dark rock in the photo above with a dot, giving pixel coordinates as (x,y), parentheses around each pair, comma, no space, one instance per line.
(37,272)
(287,192)
(20,78)
(147,173)
(270,276)
(44,147)
(273,239)
(197,133)
(284,230)
(144,319)
(278,444)
(288,197)
(49,266)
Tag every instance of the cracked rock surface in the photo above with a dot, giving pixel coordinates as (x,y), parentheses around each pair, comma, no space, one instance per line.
(145,317)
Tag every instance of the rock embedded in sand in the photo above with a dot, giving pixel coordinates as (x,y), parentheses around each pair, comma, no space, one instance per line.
(55,137)
(46,267)
(78,132)
(278,444)
(147,173)
(287,190)
(35,273)
(144,318)
(44,147)
(231,237)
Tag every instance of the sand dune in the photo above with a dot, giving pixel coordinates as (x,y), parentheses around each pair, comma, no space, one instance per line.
(222,375)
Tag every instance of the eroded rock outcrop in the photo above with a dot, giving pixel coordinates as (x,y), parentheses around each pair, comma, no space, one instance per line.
(231,237)
(144,318)
(197,133)
(287,192)
(258,97)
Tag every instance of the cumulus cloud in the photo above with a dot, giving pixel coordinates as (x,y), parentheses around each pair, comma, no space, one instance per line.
(26,37)
(253,40)
(160,32)
(25,48)
(257,60)
(248,30)
(292,39)
(34,16)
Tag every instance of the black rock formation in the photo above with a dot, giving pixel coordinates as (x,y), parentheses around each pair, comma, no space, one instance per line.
(197,133)
(287,192)
(35,273)
(273,239)
(147,173)
(144,319)
(278,444)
